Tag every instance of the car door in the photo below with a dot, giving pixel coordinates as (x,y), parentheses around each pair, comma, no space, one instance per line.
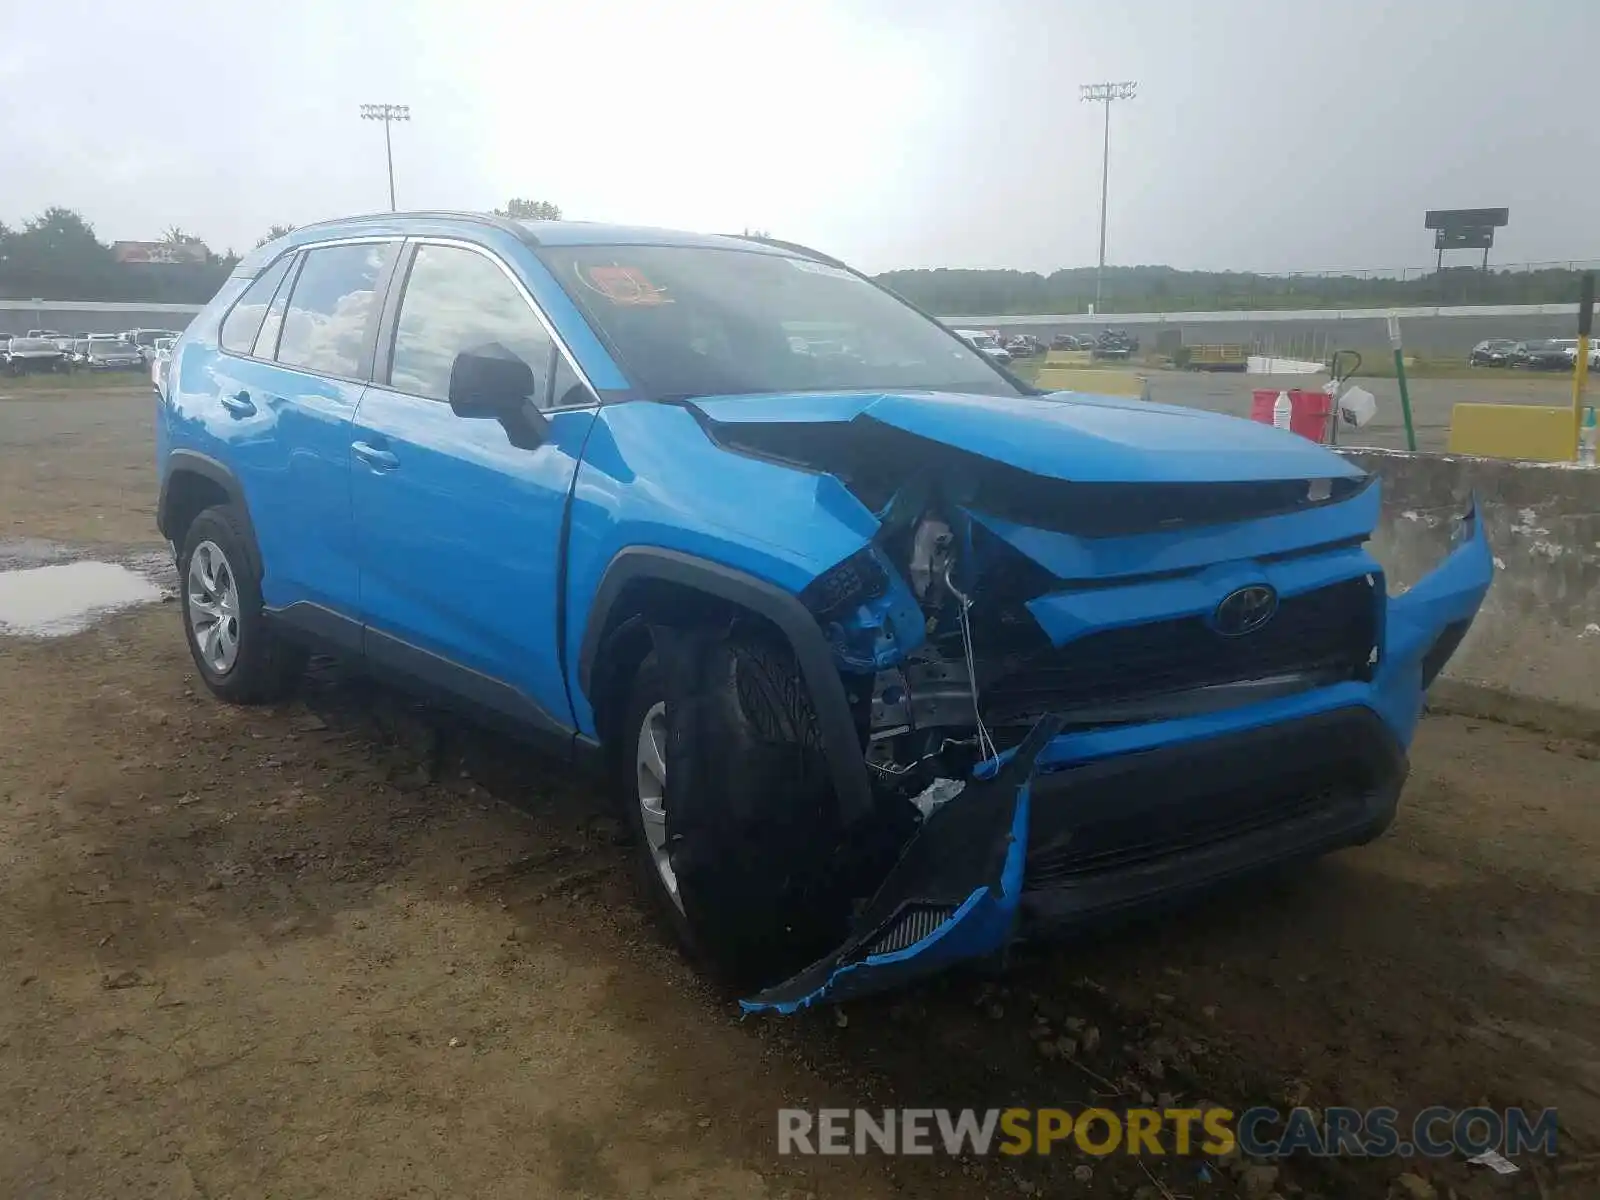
(289,399)
(459,531)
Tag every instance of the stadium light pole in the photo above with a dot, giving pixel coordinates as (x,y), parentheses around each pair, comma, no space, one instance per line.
(1105,93)
(388,114)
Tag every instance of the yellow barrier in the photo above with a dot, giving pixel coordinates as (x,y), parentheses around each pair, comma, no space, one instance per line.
(1538,432)
(1103,383)
(1069,358)
(1225,355)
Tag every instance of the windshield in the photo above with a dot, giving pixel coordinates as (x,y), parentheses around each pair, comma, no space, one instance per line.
(697,321)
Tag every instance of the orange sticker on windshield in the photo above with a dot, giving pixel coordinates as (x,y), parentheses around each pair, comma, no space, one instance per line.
(624,285)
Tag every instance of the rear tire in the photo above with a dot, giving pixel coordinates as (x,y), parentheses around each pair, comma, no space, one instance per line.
(240,657)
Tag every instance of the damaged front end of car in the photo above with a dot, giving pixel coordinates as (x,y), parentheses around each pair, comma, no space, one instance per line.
(1080,696)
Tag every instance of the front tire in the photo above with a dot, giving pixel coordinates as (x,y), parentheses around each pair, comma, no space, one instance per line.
(241,659)
(750,874)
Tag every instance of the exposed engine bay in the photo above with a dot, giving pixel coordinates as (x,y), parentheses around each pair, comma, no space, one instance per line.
(942,627)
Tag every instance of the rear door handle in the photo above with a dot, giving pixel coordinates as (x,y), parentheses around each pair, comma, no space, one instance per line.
(378,460)
(239,404)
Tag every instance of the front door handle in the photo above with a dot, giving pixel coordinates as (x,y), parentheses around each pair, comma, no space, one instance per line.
(378,460)
(239,404)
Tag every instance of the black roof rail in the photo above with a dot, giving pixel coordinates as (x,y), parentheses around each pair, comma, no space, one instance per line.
(444,214)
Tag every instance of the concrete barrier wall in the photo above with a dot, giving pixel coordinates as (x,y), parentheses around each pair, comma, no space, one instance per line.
(1533,653)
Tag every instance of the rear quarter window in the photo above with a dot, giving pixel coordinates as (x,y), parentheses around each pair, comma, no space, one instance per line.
(243,322)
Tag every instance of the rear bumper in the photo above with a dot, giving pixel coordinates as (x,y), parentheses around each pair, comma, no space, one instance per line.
(1124,832)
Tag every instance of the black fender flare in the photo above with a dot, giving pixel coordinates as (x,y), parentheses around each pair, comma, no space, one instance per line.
(192,462)
(840,741)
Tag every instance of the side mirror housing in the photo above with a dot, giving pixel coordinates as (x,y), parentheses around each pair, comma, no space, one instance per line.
(493,383)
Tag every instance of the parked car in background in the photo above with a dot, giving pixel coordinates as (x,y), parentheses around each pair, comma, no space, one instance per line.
(144,340)
(1071,341)
(516,466)
(1547,355)
(31,355)
(984,343)
(1024,345)
(111,355)
(160,358)
(1115,344)
(43,333)
(1493,352)
(1569,347)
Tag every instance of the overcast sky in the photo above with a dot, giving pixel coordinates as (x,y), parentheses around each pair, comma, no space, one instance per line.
(1267,134)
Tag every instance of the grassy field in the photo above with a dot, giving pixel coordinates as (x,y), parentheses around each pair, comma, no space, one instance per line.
(73,381)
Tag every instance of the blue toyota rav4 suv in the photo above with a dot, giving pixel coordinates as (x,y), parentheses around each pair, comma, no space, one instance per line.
(893,659)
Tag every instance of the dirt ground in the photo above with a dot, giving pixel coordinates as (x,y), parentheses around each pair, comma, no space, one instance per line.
(351,948)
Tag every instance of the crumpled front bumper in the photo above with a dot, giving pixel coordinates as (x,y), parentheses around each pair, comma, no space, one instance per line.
(1070,828)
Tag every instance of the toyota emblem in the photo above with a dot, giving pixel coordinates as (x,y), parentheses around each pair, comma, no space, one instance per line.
(1245,610)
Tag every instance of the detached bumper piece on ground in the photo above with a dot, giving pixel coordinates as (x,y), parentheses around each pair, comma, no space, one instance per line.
(953,896)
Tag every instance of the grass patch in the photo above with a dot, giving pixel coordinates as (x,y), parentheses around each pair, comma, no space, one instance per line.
(72,381)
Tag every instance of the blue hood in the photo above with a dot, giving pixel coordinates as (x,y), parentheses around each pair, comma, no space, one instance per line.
(1064,435)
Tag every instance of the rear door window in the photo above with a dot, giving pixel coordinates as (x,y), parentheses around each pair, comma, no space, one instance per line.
(333,309)
(244,322)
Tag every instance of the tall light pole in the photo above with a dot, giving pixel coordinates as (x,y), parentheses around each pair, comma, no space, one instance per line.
(388,114)
(1105,93)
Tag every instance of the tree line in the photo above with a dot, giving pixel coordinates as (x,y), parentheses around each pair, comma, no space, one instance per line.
(951,292)
(57,256)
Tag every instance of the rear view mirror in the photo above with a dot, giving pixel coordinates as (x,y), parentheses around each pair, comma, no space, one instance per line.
(492,382)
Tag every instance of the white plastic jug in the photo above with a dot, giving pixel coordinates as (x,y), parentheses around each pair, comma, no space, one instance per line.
(1282,411)
(1357,406)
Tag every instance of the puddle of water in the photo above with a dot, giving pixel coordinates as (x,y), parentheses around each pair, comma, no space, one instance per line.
(64,598)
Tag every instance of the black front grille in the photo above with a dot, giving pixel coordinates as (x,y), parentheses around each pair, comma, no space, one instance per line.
(1300,779)
(1329,632)
(1119,844)
(913,924)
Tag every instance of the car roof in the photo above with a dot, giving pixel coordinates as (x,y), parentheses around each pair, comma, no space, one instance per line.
(533,233)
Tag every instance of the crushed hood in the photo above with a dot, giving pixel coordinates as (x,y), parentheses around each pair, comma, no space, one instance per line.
(1066,436)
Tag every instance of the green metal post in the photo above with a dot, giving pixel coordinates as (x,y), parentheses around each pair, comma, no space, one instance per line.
(1580,364)
(1400,375)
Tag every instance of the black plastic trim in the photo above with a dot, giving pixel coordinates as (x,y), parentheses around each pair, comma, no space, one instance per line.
(393,658)
(389,315)
(1350,751)
(1444,646)
(308,621)
(192,462)
(840,740)
(442,214)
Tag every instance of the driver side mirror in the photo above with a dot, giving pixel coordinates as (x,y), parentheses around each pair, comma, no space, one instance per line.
(494,383)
